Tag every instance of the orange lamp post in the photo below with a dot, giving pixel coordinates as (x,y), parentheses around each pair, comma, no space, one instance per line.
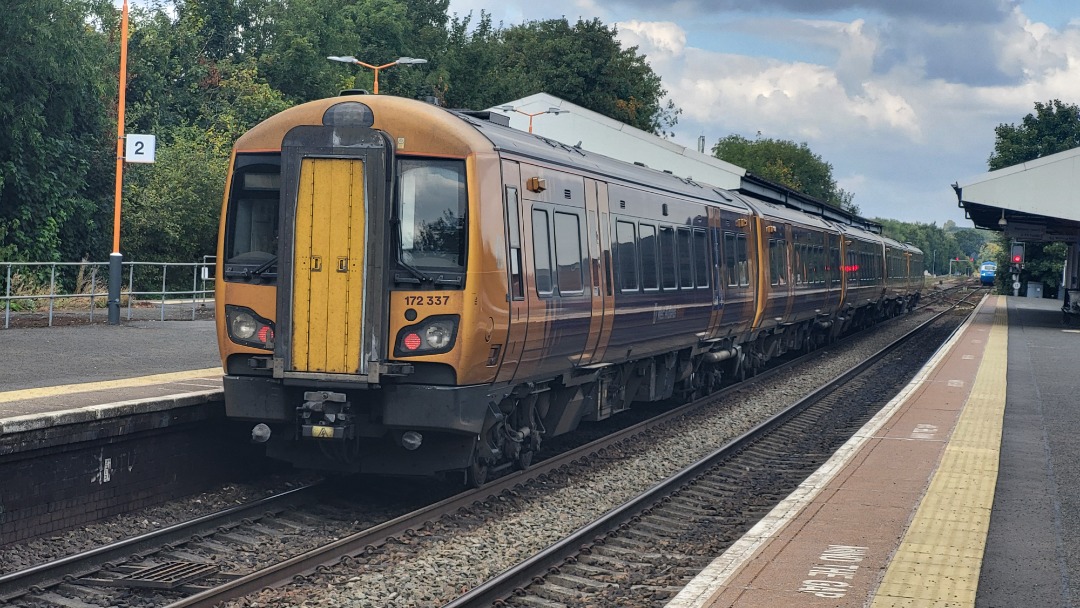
(116,259)
(531,115)
(398,61)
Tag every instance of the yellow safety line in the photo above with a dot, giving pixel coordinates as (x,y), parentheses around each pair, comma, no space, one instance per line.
(940,556)
(52,391)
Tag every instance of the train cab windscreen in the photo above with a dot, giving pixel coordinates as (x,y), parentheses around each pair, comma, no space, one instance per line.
(432,202)
(252,226)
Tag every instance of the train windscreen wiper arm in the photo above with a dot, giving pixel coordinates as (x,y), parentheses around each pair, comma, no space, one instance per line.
(262,268)
(420,276)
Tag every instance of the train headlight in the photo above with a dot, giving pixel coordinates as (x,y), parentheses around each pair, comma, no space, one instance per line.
(247,328)
(438,334)
(431,336)
(243,325)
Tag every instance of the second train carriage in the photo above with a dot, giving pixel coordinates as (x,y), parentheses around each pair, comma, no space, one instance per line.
(409,290)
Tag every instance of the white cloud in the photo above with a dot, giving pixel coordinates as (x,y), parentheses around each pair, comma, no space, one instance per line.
(664,38)
(900,105)
(783,99)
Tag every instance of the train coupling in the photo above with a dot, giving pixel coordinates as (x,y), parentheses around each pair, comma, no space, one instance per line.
(325,415)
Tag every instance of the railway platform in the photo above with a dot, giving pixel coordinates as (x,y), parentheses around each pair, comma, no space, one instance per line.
(94,418)
(69,374)
(958,493)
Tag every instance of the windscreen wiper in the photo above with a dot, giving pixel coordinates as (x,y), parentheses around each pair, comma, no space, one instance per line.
(420,277)
(261,268)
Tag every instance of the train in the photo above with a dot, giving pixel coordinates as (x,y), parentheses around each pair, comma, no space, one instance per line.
(987,272)
(405,289)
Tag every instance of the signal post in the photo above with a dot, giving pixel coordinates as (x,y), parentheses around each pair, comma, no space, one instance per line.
(1016,259)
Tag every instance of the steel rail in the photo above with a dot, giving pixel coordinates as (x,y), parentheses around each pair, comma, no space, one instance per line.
(53,572)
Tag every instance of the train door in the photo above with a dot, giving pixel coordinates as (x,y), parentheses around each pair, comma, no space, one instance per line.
(738,280)
(603,302)
(810,292)
(716,274)
(515,268)
(556,290)
(328,266)
(777,271)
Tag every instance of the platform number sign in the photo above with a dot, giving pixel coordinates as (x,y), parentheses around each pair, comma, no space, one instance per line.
(139,148)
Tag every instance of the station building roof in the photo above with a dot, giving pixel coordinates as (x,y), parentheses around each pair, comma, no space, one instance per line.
(1034,201)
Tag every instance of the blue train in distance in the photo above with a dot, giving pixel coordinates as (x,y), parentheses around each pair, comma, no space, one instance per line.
(987,271)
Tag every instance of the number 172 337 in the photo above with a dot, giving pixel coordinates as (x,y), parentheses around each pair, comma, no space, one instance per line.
(426,300)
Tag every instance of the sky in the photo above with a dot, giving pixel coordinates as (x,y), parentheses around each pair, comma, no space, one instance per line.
(901,97)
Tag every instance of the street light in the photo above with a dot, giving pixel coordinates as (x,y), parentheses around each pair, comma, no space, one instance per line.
(547,111)
(398,61)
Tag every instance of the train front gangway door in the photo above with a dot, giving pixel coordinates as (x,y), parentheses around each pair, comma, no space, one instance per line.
(328,266)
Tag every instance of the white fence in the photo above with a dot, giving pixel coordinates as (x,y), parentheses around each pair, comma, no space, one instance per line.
(83,287)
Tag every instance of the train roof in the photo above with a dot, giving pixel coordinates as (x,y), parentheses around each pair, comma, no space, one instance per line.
(528,145)
(773,210)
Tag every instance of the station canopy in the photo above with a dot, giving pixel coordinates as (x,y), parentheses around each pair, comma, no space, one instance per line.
(1034,201)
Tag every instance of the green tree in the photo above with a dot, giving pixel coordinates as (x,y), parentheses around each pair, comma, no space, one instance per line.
(584,63)
(991,251)
(937,244)
(787,163)
(57,143)
(1053,127)
(970,241)
(291,41)
(474,71)
(172,208)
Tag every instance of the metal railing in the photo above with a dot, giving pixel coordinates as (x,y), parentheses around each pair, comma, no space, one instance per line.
(76,287)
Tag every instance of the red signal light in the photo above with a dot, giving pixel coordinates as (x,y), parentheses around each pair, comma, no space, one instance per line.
(1017,259)
(411,341)
(266,334)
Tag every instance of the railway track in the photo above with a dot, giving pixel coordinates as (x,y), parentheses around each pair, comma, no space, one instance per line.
(178,572)
(648,549)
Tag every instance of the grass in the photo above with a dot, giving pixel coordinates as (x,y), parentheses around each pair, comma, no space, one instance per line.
(33,293)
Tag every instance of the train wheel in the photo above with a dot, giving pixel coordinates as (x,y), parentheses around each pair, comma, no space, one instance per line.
(739,373)
(524,459)
(476,474)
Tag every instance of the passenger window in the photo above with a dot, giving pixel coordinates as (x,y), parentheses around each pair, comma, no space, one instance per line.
(743,261)
(649,266)
(797,264)
(568,253)
(686,277)
(729,260)
(834,265)
(542,252)
(701,259)
(627,252)
(668,279)
(778,261)
(513,227)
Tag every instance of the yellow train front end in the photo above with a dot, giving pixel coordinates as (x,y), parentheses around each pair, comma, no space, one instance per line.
(354,329)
